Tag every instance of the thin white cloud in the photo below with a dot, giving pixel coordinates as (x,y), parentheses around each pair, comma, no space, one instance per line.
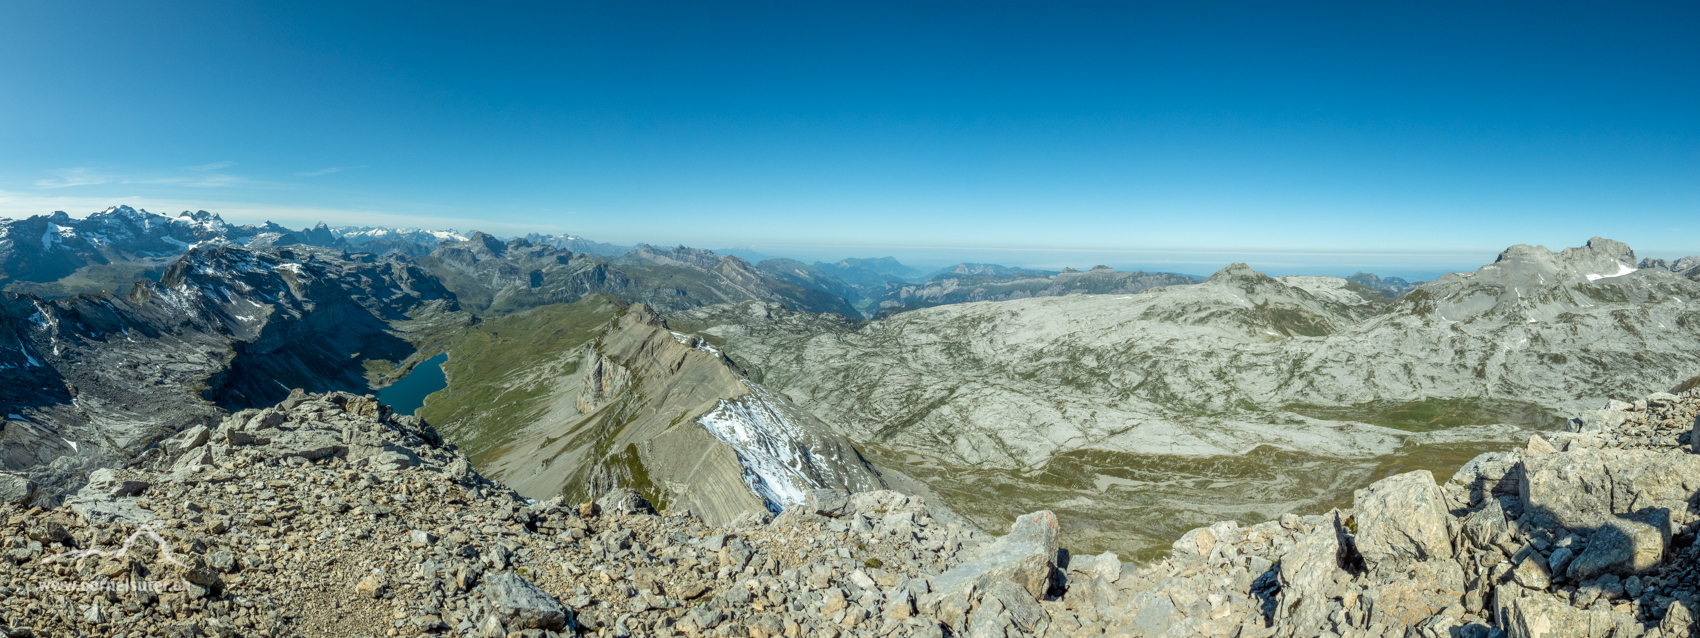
(211,167)
(73,177)
(327,171)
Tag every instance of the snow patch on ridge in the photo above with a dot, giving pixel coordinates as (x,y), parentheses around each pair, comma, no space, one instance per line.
(694,342)
(1622,269)
(768,444)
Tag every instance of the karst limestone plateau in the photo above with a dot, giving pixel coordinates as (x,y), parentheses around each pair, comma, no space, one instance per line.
(741,455)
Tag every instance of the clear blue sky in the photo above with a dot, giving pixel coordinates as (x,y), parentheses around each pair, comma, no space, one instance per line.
(1394,131)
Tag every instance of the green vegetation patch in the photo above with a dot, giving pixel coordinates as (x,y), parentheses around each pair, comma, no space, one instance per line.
(637,476)
(1295,321)
(1433,414)
(1138,504)
(501,370)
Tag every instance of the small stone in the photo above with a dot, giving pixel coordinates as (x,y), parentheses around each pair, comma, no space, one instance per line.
(370,586)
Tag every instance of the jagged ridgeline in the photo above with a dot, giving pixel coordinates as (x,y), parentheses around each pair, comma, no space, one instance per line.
(96,380)
(1244,396)
(581,399)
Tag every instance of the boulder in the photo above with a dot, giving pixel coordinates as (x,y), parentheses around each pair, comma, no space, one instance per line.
(1532,570)
(1620,546)
(1490,474)
(833,503)
(1594,421)
(625,500)
(1308,576)
(1583,489)
(108,482)
(1540,615)
(186,440)
(1538,446)
(1487,526)
(1677,621)
(1027,556)
(310,444)
(522,605)
(16,489)
(1402,520)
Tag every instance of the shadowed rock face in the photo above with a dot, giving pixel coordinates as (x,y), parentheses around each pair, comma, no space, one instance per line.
(91,380)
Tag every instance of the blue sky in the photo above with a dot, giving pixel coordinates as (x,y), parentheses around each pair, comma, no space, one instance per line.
(1321,135)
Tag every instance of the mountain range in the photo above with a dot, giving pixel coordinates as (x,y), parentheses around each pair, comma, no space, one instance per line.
(1146,408)
(1155,398)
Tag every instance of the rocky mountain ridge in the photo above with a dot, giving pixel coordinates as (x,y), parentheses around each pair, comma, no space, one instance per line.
(490,274)
(92,380)
(327,516)
(641,406)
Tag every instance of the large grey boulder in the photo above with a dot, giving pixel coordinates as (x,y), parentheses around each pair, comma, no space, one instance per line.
(1490,474)
(522,605)
(625,500)
(1402,520)
(311,444)
(833,503)
(1525,614)
(1027,556)
(16,489)
(1487,526)
(186,440)
(1309,577)
(108,482)
(1677,621)
(1621,546)
(1583,489)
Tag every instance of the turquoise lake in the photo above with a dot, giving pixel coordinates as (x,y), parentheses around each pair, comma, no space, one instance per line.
(405,396)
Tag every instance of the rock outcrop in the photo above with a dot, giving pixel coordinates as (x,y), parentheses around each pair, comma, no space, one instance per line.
(328,516)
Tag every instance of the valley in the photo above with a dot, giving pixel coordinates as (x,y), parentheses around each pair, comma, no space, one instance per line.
(1139,405)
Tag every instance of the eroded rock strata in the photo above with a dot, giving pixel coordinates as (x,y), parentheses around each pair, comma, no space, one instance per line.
(328,516)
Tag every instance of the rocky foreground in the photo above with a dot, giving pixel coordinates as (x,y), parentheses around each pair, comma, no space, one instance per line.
(328,516)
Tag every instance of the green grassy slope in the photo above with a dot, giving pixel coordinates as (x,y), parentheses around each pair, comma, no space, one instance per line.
(500,369)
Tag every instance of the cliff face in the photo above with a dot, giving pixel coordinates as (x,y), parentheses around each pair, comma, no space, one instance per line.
(91,380)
